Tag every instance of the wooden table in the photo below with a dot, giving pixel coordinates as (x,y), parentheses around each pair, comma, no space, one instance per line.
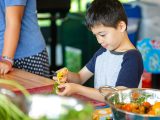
(36,84)
(33,83)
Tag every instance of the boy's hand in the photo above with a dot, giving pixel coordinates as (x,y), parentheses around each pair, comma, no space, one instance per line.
(67,89)
(61,76)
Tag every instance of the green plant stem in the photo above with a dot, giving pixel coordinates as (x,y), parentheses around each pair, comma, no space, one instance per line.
(15,84)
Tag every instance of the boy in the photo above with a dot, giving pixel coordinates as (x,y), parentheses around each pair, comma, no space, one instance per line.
(117,63)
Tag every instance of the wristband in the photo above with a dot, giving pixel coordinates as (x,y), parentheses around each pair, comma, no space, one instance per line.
(6,58)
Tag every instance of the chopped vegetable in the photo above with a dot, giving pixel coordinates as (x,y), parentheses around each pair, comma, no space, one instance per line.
(156,108)
(140,108)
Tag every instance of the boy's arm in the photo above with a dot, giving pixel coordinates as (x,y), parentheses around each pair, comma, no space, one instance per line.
(90,93)
(72,88)
(94,93)
(86,72)
(81,77)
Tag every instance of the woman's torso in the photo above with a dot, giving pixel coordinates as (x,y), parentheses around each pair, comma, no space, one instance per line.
(31,40)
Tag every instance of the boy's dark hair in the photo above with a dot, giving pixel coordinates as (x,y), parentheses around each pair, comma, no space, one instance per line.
(106,12)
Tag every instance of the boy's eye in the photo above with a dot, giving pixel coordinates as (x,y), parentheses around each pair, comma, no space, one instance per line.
(103,35)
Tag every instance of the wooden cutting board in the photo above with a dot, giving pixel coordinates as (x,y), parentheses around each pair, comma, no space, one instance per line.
(33,83)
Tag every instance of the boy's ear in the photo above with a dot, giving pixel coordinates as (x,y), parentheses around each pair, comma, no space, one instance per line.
(122,26)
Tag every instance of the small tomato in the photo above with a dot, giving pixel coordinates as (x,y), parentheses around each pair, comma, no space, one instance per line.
(146,104)
(127,107)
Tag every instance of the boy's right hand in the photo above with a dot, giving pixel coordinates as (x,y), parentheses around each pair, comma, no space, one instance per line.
(61,76)
(68,89)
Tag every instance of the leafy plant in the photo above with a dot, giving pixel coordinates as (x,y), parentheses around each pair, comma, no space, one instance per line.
(8,110)
(141,99)
(73,114)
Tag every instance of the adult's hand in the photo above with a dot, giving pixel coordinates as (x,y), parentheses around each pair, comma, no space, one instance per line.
(5,67)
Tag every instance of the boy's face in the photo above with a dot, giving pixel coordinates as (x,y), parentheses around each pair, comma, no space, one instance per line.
(109,37)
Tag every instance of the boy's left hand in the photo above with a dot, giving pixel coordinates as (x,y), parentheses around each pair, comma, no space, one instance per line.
(67,89)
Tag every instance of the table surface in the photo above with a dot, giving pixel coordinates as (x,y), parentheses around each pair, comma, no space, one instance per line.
(31,82)
(36,84)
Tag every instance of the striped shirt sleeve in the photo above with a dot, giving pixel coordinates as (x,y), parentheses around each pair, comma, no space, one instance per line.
(132,69)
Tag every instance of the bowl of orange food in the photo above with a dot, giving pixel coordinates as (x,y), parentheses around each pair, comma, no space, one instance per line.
(134,103)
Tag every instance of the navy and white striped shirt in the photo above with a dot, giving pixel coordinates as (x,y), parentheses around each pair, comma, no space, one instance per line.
(116,68)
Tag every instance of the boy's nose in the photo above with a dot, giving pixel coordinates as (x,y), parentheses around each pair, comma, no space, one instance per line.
(100,41)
